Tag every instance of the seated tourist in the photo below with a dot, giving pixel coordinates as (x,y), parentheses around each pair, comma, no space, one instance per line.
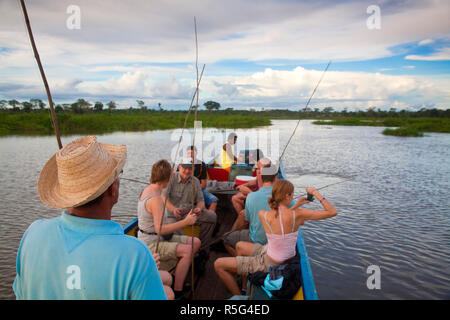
(238,200)
(281,224)
(175,251)
(200,173)
(179,202)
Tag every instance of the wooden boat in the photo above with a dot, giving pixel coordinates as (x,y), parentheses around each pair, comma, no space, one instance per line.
(208,286)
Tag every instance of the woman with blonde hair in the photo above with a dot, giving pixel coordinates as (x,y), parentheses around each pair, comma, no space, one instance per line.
(175,251)
(281,226)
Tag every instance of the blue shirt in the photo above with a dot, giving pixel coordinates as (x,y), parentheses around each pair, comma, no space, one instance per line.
(255,202)
(69,257)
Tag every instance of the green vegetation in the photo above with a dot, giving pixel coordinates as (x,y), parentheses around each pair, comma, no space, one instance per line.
(406,127)
(83,117)
(39,122)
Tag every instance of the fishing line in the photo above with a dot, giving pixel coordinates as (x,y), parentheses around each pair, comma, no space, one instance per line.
(307,104)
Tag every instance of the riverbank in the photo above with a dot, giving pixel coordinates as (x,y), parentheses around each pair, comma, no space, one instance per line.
(403,127)
(39,123)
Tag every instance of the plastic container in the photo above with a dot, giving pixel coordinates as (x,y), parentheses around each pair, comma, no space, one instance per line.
(243,179)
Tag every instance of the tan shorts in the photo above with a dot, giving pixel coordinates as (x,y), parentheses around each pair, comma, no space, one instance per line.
(258,261)
(168,251)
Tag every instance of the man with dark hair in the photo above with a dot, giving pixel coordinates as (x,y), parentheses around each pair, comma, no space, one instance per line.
(251,230)
(82,254)
(200,172)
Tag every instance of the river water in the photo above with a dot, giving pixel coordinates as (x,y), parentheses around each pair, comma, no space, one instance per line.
(393,212)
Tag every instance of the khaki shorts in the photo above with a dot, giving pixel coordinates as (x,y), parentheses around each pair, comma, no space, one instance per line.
(258,261)
(168,251)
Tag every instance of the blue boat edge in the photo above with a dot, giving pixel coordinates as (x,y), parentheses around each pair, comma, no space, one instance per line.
(309,288)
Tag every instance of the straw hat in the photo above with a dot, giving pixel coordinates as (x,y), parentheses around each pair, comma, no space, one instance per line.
(80,172)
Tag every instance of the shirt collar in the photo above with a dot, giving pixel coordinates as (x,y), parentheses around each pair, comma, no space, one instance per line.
(181,181)
(90,226)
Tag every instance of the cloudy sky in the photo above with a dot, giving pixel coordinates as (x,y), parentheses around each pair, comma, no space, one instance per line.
(258,54)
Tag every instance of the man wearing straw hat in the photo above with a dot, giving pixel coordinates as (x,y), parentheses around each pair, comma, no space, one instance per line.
(82,254)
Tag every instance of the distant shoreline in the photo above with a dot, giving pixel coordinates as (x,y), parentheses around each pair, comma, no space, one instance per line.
(404,127)
(38,122)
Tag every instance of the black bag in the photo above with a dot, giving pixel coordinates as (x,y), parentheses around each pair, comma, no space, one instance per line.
(291,273)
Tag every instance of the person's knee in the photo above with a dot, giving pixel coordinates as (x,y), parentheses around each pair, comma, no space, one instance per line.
(218,264)
(239,247)
(169,293)
(209,216)
(197,244)
(166,278)
(184,251)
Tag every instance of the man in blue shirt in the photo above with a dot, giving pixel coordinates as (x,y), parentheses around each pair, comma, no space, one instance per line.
(83,254)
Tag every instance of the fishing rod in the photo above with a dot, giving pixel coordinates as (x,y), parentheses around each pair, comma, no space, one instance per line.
(41,70)
(193,161)
(310,197)
(307,104)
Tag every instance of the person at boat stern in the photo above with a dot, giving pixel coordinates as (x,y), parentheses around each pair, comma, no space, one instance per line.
(281,225)
(82,254)
(175,250)
(227,156)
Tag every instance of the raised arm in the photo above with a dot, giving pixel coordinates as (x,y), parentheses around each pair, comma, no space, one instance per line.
(328,211)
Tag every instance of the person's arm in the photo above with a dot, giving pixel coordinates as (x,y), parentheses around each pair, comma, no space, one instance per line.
(307,214)
(227,147)
(155,206)
(203,175)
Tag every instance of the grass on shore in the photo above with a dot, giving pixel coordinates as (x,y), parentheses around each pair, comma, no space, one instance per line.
(405,127)
(37,123)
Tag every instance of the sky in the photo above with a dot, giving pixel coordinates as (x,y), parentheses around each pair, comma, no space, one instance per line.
(257,54)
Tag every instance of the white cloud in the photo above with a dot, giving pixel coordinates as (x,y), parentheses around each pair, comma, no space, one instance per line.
(120,44)
(339,89)
(425,42)
(442,54)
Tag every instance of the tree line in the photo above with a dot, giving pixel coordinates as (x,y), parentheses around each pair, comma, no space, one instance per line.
(82,106)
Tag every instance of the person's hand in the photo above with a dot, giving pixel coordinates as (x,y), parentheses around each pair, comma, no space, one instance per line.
(156,257)
(302,200)
(238,188)
(178,213)
(190,218)
(311,190)
(197,211)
